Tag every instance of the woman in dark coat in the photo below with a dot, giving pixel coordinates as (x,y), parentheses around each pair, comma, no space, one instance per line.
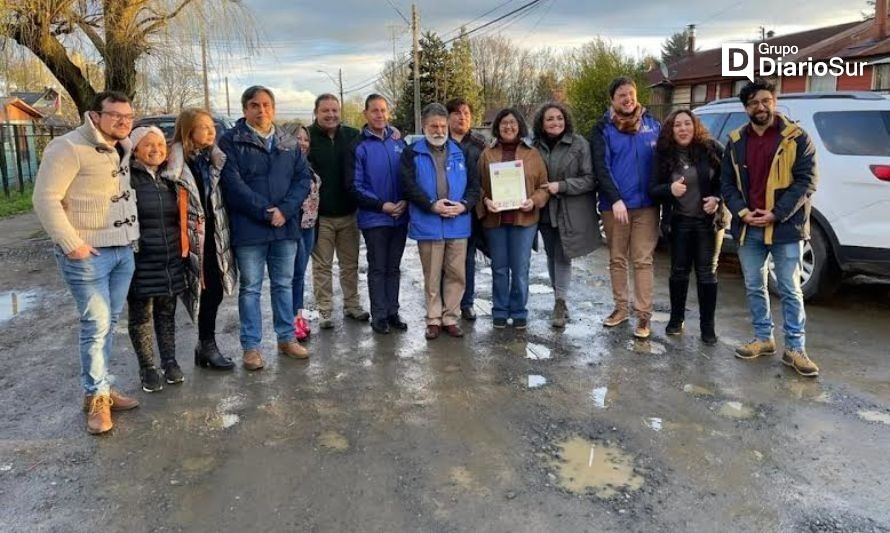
(569,224)
(161,258)
(195,156)
(686,180)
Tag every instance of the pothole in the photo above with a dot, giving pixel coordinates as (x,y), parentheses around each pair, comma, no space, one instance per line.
(736,410)
(646,346)
(333,441)
(697,390)
(586,466)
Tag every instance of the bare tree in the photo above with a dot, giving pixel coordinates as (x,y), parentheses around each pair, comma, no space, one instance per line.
(393,78)
(119,32)
(168,84)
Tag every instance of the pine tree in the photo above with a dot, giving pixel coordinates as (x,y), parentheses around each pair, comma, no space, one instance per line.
(463,81)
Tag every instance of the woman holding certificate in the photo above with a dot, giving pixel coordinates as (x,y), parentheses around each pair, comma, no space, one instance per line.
(569,221)
(513,176)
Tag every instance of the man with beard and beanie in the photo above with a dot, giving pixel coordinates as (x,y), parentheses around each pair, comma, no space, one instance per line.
(768,177)
(441,193)
(460,120)
(84,201)
(622,146)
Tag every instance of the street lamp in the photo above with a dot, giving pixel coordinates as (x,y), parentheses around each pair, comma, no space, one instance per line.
(338,82)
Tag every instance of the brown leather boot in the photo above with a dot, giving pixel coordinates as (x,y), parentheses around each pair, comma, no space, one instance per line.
(119,402)
(99,414)
(293,350)
(253,360)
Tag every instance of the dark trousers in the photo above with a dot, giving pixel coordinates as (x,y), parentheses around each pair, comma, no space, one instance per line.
(145,312)
(211,294)
(470,270)
(385,246)
(694,244)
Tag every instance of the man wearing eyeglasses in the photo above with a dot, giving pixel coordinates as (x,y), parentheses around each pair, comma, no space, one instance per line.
(768,179)
(83,198)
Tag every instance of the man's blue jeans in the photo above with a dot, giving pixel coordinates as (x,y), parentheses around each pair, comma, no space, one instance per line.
(304,252)
(99,285)
(252,259)
(753,256)
(510,248)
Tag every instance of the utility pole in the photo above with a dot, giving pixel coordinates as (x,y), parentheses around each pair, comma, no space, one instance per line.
(415,32)
(204,67)
(228,103)
(340,84)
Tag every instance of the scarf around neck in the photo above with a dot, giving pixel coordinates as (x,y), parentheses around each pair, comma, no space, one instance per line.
(628,123)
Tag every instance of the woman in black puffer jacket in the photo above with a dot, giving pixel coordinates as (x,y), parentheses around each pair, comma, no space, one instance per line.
(160,275)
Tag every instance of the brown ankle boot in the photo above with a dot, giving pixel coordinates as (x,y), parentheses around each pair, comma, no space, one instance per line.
(293,350)
(99,414)
(119,402)
(252,360)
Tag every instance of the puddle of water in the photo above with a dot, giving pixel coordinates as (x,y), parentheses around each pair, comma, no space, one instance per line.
(14,302)
(535,381)
(333,441)
(659,316)
(585,465)
(736,410)
(599,396)
(697,390)
(646,346)
(875,416)
(483,307)
(654,423)
(198,464)
(806,390)
(537,352)
(540,289)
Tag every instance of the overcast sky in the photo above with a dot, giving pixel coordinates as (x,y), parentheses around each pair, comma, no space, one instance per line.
(301,37)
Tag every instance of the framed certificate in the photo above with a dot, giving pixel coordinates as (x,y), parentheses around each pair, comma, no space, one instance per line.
(507,184)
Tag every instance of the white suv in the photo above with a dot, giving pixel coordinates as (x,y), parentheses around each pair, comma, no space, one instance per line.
(851,208)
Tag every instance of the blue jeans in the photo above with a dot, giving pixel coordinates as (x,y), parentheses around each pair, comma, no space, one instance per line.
(511,249)
(304,252)
(252,259)
(753,258)
(99,285)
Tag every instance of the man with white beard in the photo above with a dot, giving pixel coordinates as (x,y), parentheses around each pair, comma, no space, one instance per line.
(441,195)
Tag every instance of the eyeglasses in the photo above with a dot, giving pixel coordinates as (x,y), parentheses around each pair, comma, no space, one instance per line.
(118,117)
(754,104)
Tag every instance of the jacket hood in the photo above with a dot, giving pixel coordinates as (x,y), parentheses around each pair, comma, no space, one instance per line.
(176,161)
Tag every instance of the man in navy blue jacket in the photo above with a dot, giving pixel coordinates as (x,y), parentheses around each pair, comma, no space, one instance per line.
(264,182)
(373,176)
(442,193)
(623,146)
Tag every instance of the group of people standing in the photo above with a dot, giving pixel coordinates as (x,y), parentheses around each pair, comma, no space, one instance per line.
(136,220)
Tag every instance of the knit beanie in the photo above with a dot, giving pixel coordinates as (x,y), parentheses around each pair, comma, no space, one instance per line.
(139,133)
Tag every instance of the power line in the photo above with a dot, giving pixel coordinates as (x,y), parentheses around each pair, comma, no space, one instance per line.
(399,12)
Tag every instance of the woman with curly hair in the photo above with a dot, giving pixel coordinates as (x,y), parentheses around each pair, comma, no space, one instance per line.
(686,180)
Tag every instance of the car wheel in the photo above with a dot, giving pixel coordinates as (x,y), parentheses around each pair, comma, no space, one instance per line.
(819,274)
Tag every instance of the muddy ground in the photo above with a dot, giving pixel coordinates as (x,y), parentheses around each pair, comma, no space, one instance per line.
(581,430)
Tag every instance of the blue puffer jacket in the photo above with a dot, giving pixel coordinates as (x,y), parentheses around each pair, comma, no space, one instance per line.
(373,175)
(419,183)
(256,178)
(622,162)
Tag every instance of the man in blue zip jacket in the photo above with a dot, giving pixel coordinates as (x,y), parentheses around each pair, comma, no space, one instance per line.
(623,146)
(441,192)
(264,182)
(373,178)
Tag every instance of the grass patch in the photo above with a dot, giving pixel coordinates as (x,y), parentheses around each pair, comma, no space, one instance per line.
(16,202)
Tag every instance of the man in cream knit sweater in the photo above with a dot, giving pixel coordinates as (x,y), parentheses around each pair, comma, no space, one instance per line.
(83,198)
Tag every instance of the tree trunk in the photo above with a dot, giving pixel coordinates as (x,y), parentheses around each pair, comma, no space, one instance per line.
(124,43)
(49,50)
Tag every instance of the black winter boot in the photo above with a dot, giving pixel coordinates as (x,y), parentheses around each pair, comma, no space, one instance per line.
(707,305)
(678,289)
(207,355)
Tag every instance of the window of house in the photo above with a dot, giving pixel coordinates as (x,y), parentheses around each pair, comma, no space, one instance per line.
(737,86)
(699,93)
(827,83)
